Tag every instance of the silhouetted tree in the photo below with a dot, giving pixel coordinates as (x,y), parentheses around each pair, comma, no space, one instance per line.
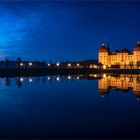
(19,60)
(7,62)
(18,82)
(7,82)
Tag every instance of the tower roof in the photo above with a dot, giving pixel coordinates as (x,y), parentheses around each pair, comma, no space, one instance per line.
(125,51)
(137,48)
(117,51)
(103,48)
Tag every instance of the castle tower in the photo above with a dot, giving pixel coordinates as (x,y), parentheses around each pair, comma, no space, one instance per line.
(103,55)
(136,55)
(108,47)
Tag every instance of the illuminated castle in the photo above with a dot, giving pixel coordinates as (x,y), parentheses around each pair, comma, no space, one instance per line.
(123,58)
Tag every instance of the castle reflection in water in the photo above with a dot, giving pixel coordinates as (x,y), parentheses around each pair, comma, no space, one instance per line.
(106,82)
(121,82)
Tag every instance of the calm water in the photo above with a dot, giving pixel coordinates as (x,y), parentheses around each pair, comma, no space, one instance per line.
(70,107)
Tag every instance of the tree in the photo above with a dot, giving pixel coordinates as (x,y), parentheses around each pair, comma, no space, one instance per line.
(19,60)
(7,62)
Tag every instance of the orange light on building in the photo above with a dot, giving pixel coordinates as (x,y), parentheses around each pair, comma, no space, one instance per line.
(95,66)
(104,75)
(104,66)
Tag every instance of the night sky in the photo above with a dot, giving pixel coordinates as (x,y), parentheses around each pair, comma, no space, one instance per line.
(61,31)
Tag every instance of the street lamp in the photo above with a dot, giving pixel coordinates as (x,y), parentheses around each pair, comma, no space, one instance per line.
(69,65)
(30,64)
(57,64)
(78,64)
(21,64)
(69,77)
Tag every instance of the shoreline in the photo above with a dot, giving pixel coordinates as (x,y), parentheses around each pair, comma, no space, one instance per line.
(13,72)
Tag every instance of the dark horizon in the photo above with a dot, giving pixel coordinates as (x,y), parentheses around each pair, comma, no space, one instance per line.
(64,30)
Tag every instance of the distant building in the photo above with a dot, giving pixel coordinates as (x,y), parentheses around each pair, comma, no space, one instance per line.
(123,58)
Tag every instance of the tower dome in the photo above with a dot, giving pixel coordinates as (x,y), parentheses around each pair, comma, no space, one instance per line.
(103,48)
(137,48)
(125,51)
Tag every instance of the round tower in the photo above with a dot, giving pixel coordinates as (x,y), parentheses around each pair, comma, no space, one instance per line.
(103,55)
(136,55)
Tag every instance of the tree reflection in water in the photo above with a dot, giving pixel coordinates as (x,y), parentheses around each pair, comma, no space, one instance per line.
(106,82)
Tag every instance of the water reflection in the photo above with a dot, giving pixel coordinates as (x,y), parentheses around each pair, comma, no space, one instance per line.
(121,82)
(47,106)
(106,82)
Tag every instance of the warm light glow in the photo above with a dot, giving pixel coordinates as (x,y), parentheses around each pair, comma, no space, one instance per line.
(123,81)
(95,75)
(95,66)
(30,80)
(57,64)
(21,64)
(69,65)
(49,64)
(78,64)
(104,75)
(104,66)
(30,64)
(109,59)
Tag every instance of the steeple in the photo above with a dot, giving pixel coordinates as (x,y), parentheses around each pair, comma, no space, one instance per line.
(108,46)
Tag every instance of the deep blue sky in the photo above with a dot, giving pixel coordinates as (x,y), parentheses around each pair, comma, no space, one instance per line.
(66,30)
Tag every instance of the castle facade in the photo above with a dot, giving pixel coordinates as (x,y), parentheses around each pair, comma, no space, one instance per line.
(124,58)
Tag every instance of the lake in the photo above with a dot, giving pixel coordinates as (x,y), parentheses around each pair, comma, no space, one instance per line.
(79,106)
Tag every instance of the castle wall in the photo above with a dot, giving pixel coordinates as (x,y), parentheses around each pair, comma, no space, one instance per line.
(125,60)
